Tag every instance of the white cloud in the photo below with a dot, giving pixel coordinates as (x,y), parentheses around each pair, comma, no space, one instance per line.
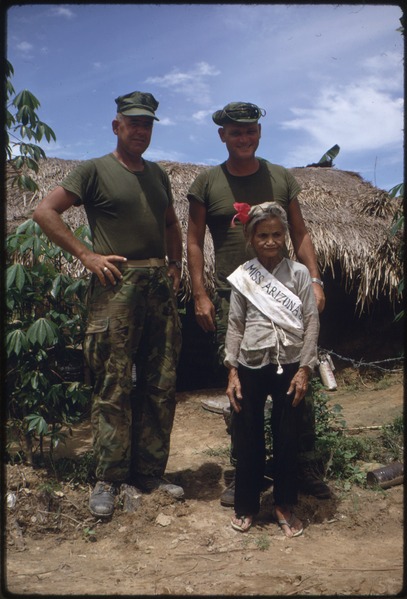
(357,117)
(62,11)
(191,84)
(25,47)
(201,116)
(166,121)
(156,154)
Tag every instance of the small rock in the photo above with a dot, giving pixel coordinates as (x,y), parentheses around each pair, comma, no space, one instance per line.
(163,520)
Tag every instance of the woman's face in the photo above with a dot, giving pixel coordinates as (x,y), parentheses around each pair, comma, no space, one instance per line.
(268,240)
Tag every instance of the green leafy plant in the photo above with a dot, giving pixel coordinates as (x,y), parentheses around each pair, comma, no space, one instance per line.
(392,438)
(46,309)
(78,471)
(23,127)
(341,453)
(330,155)
(263,542)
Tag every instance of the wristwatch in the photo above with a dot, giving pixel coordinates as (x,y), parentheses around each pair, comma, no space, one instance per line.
(318,281)
(177,263)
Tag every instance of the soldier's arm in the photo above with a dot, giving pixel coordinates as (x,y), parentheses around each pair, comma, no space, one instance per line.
(48,216)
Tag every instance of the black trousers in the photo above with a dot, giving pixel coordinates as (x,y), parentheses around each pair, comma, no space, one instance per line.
(286,420)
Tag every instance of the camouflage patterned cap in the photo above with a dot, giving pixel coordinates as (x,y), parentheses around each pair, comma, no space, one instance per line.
(238,112)
(137,104)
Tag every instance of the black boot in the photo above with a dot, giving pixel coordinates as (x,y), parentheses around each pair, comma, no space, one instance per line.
(310,481)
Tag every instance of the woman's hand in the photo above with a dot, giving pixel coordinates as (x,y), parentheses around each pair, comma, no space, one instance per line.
(299,384)
(234,391)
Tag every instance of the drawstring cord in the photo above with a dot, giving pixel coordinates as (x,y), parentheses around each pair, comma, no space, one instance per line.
(279,369)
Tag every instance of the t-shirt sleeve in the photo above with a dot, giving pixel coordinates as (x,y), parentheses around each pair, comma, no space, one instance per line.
(78,181)
(197,190)
(293,186)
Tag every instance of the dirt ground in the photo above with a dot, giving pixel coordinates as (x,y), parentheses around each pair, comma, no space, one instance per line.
(352,543)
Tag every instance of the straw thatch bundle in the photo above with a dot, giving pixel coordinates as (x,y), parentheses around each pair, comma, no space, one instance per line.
(348,220)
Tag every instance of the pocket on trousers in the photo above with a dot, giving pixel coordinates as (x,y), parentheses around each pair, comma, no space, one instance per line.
(97,325)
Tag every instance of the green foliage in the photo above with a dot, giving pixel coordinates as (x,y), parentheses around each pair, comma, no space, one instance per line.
(23,123)
(330,154)
(44,332)
(76,471)
(392,438)
(341,453)
(263,542)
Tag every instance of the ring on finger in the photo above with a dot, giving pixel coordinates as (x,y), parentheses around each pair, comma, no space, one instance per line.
(105,269)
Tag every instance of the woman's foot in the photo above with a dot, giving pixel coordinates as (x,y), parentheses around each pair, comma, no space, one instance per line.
(288,522)
(241,523)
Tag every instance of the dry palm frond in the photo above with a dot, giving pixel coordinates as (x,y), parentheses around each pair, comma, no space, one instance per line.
(348,219)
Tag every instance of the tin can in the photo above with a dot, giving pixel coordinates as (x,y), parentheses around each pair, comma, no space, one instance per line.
(386,476)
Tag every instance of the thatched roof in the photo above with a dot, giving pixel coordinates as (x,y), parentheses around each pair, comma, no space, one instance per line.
(348,219)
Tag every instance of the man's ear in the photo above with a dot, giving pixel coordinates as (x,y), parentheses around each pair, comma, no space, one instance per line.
(259,130)
(115,125)
(221,133)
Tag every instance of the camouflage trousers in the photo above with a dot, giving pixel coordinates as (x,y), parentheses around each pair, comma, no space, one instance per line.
(133,322)
(307,452)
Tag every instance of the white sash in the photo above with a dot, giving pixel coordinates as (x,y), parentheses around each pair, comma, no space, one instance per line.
(269,295)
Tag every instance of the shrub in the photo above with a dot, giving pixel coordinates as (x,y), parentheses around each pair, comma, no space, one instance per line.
(45,324)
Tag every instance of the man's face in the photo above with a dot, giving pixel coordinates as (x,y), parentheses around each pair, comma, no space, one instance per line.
(241,139)
(133,133)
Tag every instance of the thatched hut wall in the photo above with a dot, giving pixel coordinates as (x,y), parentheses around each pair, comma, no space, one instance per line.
(348,220)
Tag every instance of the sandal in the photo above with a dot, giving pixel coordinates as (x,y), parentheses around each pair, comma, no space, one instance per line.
(246,522)
(283,522)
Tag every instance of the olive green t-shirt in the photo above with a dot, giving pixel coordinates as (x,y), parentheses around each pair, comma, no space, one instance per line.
(219,190)
(126,211)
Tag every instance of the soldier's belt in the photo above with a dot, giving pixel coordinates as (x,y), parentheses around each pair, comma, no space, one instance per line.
(149,263)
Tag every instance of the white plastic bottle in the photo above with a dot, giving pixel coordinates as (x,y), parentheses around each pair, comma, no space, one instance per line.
(325,372)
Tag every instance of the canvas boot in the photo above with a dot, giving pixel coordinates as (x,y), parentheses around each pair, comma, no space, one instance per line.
(101,502)
(152,483)
(311,483)
(227,499)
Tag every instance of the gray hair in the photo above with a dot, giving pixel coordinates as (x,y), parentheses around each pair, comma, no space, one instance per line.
(262,212)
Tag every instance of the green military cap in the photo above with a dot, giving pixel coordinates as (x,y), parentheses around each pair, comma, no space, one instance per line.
(238,112)
(137,104)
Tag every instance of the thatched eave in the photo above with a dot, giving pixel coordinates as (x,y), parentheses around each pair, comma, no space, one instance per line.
(348,219)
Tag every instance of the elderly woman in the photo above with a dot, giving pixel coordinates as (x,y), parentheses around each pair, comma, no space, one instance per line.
(271,349)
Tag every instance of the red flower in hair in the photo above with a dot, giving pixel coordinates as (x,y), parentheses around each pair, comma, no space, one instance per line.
(242,210)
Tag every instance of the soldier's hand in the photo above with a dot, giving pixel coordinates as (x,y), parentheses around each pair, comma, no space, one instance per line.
(104,267)
(175,275)
(319,296)
(205,313)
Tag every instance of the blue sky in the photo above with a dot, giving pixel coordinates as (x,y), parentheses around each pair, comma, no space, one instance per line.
(325,74)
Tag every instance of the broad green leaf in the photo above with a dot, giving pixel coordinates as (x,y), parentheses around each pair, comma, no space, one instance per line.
(56,286)
(25,183)
(397,191)
(25,227)
(27,99)
(330,154)
(36,423)
(16,341)
(16,274)
(43,333)
(74,287)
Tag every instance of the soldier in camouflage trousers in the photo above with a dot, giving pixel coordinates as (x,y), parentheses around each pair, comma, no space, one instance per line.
(137,322)
(133,318)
